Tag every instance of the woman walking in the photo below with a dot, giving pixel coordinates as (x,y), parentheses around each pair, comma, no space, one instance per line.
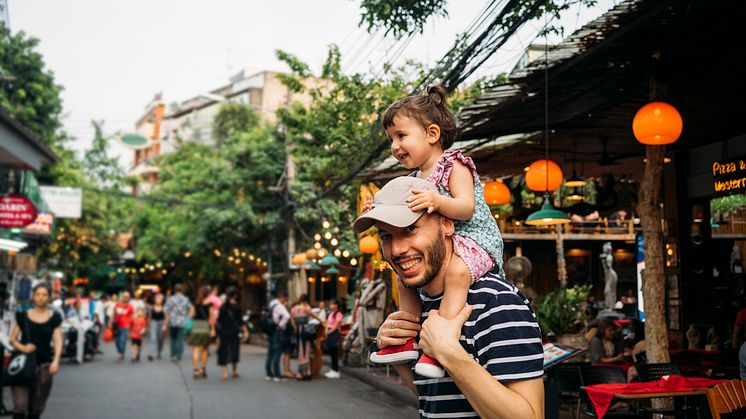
(39,327)
(301,313)
(333,322)
(229,325)
(157,317)
(202,331)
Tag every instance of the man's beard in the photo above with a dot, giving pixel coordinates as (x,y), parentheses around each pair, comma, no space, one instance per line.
(436,253)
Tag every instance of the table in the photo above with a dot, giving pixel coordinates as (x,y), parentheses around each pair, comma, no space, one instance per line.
(675,386)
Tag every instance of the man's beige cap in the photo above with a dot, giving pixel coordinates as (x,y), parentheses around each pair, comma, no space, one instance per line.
(390,204)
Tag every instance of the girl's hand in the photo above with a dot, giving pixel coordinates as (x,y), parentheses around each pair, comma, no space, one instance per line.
(28,348)
(53,367)
(368,205)
(422,199)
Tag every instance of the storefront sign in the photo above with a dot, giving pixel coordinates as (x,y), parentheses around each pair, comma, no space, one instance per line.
(63,202)
(16,211)
(729,176)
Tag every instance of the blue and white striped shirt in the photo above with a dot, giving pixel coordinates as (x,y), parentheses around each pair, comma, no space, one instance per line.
(502,334)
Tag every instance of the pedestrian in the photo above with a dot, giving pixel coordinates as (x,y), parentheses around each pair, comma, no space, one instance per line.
(302,313)
(96,313)
(229,326)
(109,309)
(155,327)
(138,328)
(177,309)
(421,130)
(333,323)
(320,311)
(123,313)
(138,302)
(202,331)
(277,337)
(40,332)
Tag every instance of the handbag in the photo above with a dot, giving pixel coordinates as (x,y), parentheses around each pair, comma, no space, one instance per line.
(188,325)
(21,369)
(108,335)
(310,330)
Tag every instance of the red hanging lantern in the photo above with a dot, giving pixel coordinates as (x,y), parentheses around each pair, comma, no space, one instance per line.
(496,193)
(657,123)
(368,245)
(536,176)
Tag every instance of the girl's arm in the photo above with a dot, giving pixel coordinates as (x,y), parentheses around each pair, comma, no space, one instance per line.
(212,321)
(57,342)
(459,207)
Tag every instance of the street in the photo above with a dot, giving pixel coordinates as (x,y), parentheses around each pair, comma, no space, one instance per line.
(163,390)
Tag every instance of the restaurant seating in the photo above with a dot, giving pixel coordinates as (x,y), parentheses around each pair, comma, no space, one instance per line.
(569,377)
(654,372)
(728,397)
(606,374)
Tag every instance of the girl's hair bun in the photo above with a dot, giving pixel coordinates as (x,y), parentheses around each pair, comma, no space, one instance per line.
(437,93)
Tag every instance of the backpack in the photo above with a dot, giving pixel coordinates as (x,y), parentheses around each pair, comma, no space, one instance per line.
(267,322)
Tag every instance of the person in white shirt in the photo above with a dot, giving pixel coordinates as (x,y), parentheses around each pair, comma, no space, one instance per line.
(278,338)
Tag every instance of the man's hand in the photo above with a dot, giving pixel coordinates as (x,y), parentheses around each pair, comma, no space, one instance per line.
(397,329)
(422,199)
(439,337)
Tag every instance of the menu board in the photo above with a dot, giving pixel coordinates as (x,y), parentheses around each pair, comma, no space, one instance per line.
(554,353)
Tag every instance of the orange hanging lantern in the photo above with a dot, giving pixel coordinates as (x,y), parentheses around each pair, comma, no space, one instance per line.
(312,254)
(496,193)
(536,176)
(368,245)
(657,123)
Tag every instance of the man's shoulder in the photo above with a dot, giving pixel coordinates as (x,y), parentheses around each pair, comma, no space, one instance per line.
(493,289)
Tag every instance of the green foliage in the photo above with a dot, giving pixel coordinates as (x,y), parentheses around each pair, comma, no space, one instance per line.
(727,205)
(233,120)
(211,198)
(560,311)
(400,17)
(27,89)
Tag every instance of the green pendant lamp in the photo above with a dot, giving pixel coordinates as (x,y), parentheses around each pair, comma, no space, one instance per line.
(332,271)
(547,215)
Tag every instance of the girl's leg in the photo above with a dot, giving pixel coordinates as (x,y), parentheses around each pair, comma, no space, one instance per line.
(458,281)
(195,357)
(133,350)
(205,353)
(154,328)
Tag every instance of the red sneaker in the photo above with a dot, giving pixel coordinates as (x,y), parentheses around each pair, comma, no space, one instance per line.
(429,367)
(399,354)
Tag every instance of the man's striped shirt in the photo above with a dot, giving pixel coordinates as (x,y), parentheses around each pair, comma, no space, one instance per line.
(501,334)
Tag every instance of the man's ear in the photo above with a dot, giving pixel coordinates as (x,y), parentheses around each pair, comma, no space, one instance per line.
(447,225)
(433,134)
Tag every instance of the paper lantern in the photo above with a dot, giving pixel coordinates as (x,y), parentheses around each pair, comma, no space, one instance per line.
(368,245)
(496,193)
(536,176)
(657,123)
(299,258)
(312,253)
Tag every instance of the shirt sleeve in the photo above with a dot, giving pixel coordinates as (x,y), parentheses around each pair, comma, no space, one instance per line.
(507,340)
(56,320)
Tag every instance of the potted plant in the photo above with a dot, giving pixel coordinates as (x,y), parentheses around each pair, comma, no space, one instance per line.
(561,314)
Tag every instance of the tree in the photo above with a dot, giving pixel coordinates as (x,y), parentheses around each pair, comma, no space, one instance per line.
(211,200)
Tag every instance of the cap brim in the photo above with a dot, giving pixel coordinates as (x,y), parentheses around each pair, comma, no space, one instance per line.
(395,215)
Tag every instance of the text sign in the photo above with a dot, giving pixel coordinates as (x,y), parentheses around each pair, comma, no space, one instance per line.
(63,202)
(729,176)
(16,211)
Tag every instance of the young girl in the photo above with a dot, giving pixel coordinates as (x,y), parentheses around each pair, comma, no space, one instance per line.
(137,330)
(421,130)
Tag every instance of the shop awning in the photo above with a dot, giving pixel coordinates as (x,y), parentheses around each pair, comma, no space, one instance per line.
(12,245)
(20,148)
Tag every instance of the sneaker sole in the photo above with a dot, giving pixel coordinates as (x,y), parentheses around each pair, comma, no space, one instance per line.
(397,358)
(429,370)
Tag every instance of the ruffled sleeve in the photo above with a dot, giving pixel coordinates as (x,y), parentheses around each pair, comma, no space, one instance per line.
(442,173)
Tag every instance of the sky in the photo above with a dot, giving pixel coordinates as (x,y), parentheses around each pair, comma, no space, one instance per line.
(113,57)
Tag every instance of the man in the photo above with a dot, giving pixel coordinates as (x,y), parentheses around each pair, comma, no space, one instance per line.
(123,313)
(492,350)
(277,339)
(176,311)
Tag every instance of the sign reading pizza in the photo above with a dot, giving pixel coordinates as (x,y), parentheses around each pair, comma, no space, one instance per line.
(16,211)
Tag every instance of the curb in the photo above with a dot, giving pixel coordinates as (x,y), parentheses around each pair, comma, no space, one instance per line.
(396,391)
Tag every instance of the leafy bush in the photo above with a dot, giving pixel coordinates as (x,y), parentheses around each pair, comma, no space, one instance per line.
(561,311)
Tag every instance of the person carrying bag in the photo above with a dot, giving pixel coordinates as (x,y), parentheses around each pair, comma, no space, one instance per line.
(34,363)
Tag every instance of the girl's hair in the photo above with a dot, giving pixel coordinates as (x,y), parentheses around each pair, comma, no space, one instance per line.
(203,292)
(45,285)
(231,293)
(302,299)
(427,108)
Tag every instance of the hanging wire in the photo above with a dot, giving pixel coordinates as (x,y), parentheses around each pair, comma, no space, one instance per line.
(546,105)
